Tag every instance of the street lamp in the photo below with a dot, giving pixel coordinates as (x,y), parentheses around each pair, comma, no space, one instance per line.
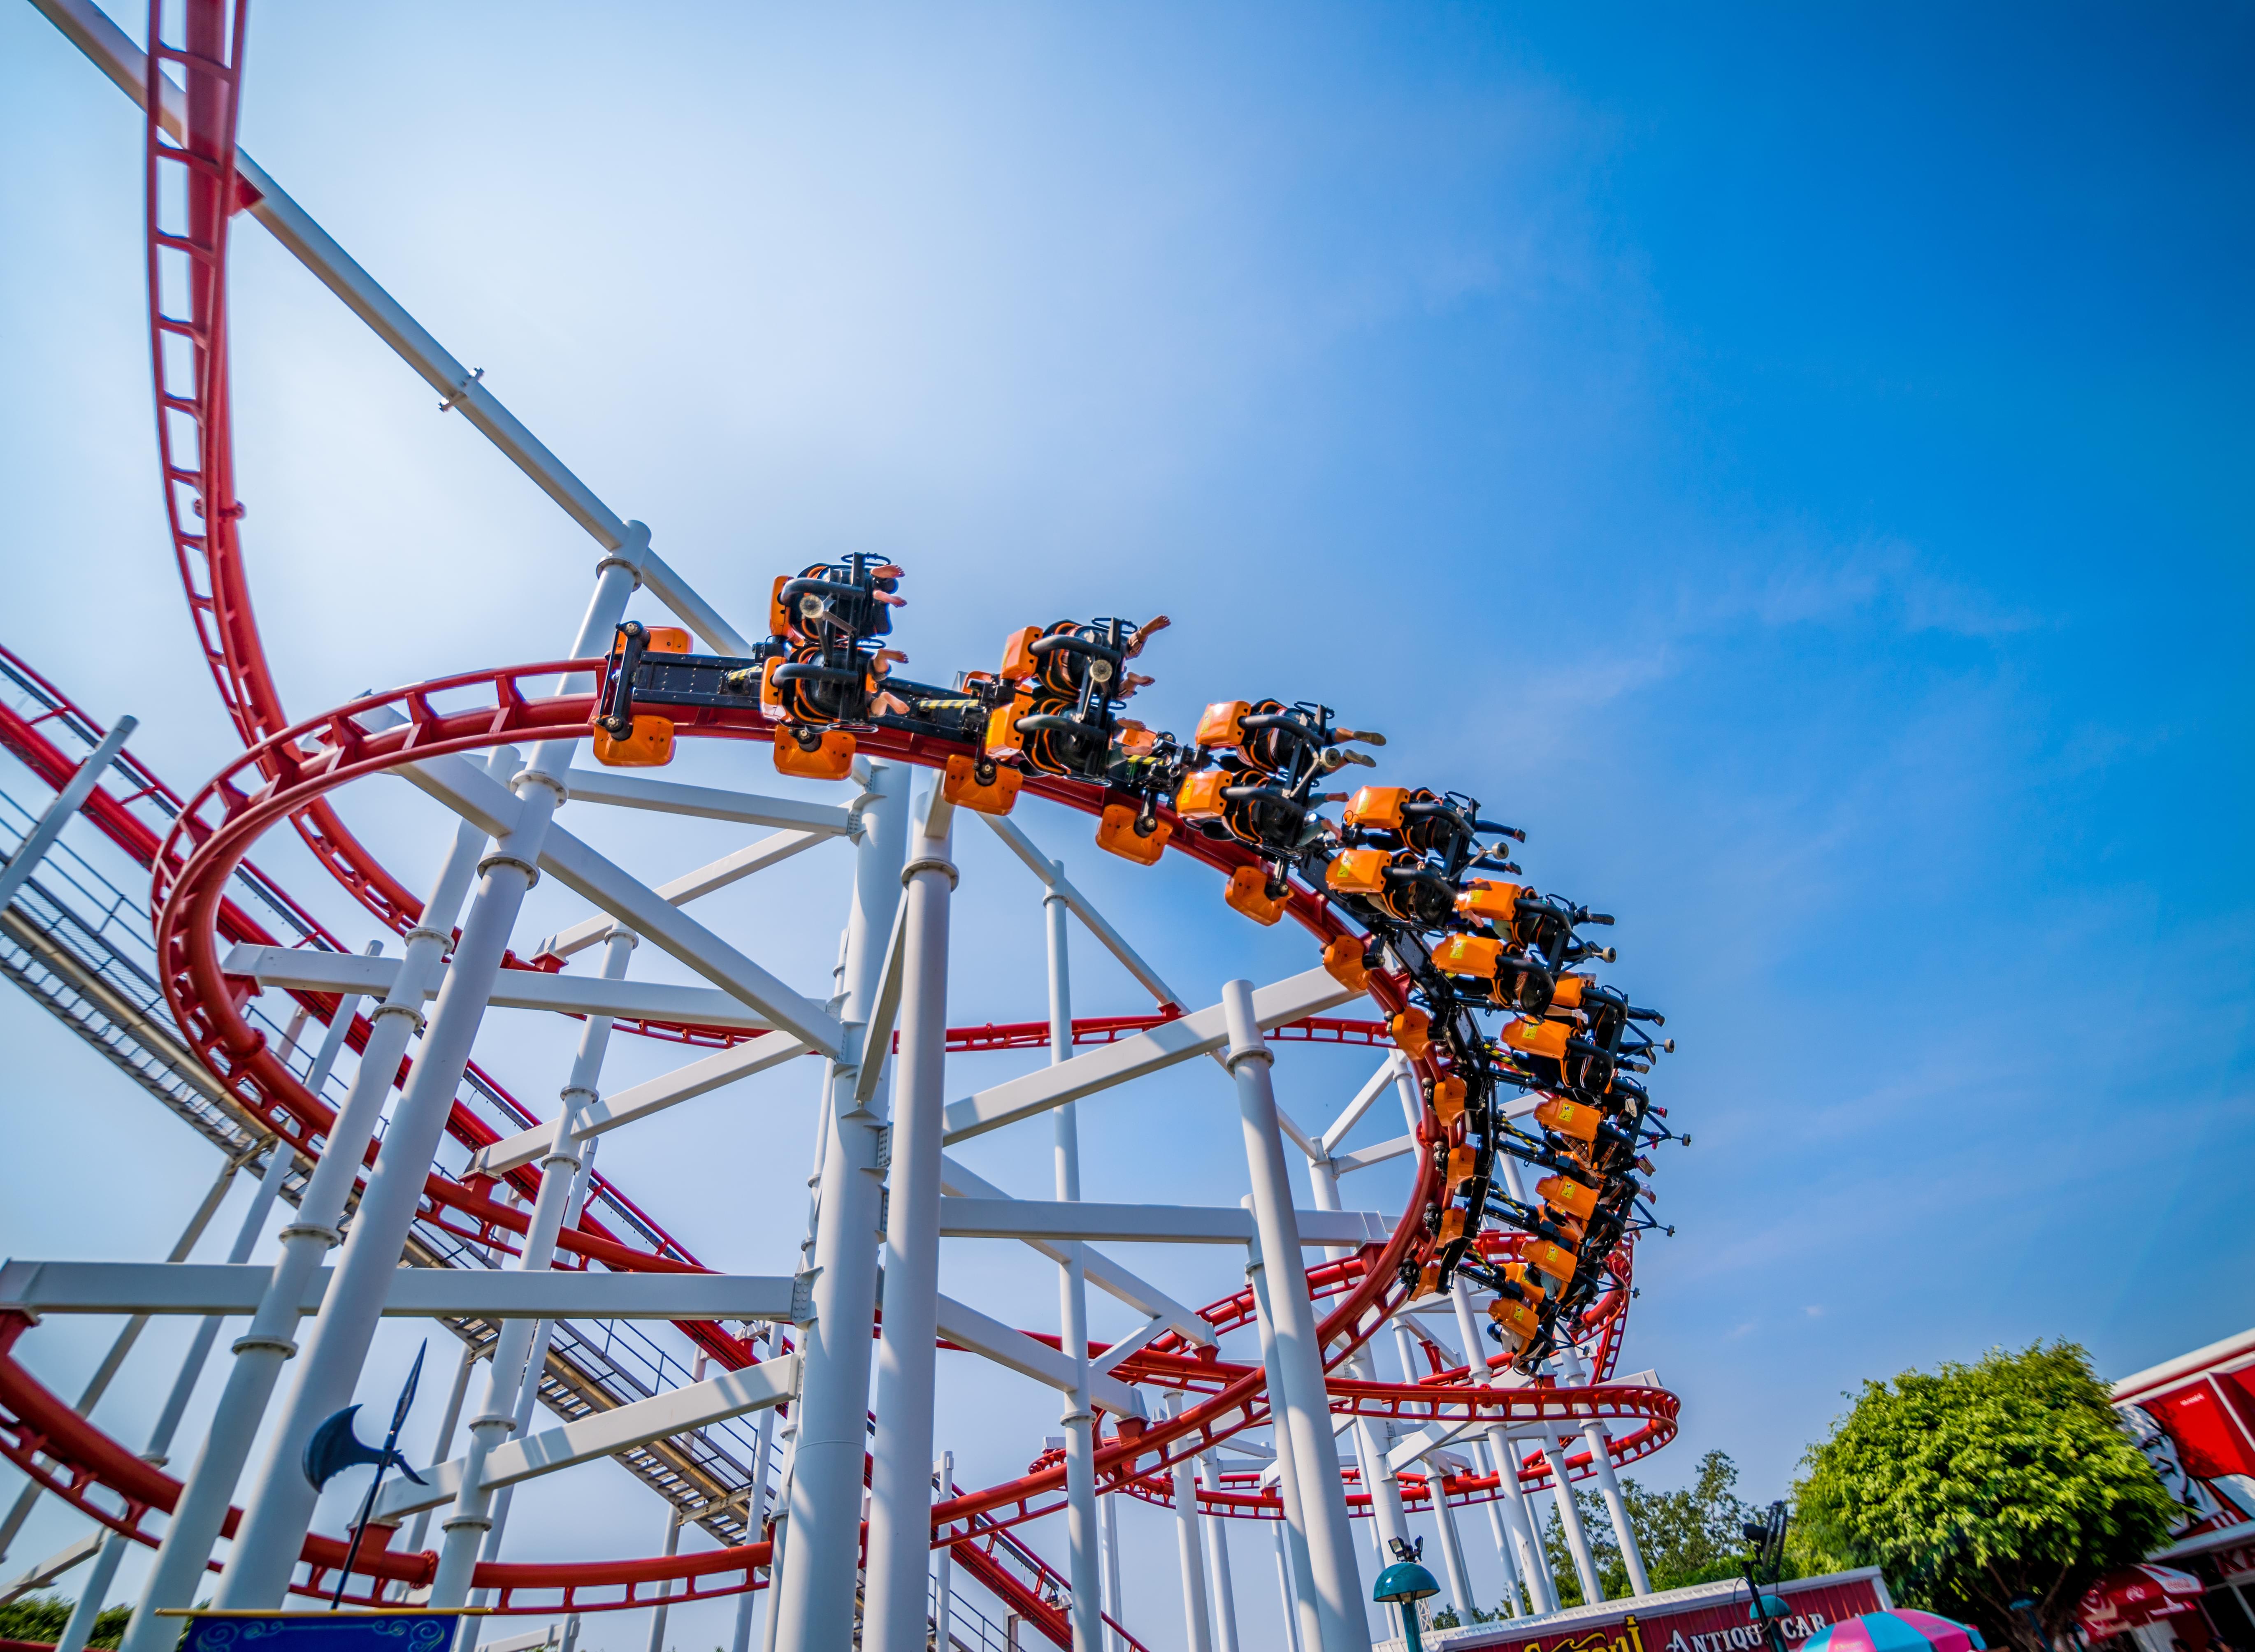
(1407,1582)
(1766,1550)
(2025,1606)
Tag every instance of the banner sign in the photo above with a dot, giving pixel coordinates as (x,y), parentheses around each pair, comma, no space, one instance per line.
(1709,1617)
(322,1632)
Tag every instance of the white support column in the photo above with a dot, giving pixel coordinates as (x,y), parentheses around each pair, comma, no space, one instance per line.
(279,1166)
(67,803)
(1405,1348)
(813,1610)
(756,1515)
(442,1447)
(279,1509)
(1578,1541)
(943,1590)
(1078,1418)
(1512,1603)
(1373,1439)
(1113,1605)
(1189,1550)
(528,1395)
(471,1524)
(1519,1516)
(1593,1433)
(178,1573)
(900,1483)
(1216,1538)
(1309,1632)
(616,576)
(1306,1409)
(95,1592)
(779,1510)
(1468,1331)
(673,1547)
(1291,1614)
(1617,1507)
(1444,1518)
(1388,1518)
(781,1529)
(1513,1512)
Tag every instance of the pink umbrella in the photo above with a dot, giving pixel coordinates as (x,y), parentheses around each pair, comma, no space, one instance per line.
(1901,1630)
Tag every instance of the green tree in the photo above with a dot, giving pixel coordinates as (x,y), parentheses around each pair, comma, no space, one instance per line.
(41,1617)
(1981,1483)
(1685,1536)
(1691,1536)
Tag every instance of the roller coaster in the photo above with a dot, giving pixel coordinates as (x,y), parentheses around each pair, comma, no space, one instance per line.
(748,1405)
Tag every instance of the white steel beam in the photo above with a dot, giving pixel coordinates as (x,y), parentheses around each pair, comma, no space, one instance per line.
(45,1571)
(690,886)
(1110,1359)
(1407,1450)
(1100,1269)
(532,1641)
(487,804)
(416,1293)
(1312,1146)
(102,41)
(875,1040)
(1202,1032)
(654,1095)
(1378,1083)
(1013,1350)
(304,970)
(648,915)
(1142,1224)
(710,802)
(1052,876)
(605,1434)
(1363,1157)
(67,802)
(1082,908)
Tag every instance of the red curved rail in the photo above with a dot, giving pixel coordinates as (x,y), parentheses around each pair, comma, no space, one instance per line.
(192,864)
(287,771)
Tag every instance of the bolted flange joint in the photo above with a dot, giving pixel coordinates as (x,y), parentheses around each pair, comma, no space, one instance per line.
(930,863)
(408,1010)
(541,777)
(500,857)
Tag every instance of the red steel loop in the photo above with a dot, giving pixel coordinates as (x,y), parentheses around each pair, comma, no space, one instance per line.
(290,770)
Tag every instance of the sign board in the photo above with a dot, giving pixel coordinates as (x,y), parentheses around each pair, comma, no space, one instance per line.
(1707,1617)
(398,1631)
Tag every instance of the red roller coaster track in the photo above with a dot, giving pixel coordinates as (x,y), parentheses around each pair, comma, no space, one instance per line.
(289,770)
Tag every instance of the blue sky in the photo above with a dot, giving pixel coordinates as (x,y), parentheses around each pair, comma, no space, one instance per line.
(1796,463)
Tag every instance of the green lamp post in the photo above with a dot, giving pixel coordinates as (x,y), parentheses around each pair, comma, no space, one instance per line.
(1406,1582)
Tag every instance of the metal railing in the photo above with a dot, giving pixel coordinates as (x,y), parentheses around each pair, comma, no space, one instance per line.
(80,945)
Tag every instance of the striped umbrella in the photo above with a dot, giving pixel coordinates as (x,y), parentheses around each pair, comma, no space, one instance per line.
(1903,1630)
